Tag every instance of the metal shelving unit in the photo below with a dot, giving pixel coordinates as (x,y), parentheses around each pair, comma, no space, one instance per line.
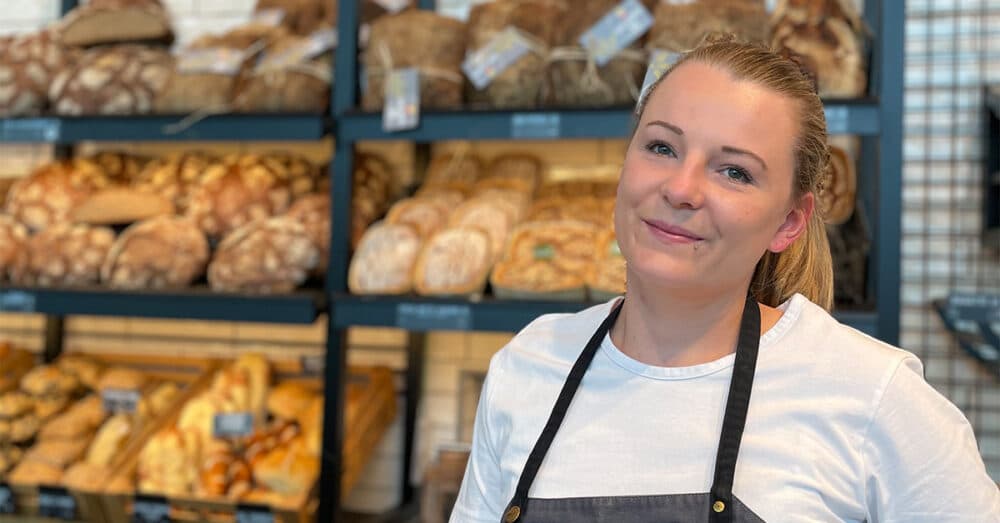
(991,165)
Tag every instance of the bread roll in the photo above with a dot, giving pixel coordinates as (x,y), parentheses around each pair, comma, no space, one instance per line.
(287,400)
(30,472)
(14,404)
(267,256)
(122,378)
(57,452)
(384,261)
(85,369)
(174,177)
(48,380)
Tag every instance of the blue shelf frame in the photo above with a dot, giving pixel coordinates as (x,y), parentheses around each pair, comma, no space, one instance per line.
(227,127)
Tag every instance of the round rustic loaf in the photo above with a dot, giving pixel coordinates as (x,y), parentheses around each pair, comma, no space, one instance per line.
(313,212)
(63,255)
(158,253)
(117,80)
(28,65)
(174,176)
(13,237)
(51,193)
(265,256)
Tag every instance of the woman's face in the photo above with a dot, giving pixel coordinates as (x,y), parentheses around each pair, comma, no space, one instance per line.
(706,186)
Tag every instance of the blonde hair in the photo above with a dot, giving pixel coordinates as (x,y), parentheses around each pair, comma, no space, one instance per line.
(805,267)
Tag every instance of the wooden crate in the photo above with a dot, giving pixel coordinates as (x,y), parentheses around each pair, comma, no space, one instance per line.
(191,373)
(364,430)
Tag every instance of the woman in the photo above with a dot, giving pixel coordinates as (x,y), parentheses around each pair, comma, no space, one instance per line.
(719,388)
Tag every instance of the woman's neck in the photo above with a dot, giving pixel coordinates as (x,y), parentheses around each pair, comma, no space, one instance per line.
(665,329)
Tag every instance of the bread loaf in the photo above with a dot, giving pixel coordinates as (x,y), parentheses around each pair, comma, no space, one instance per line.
(432,43)
(680,27)
(374,186)
(837,199)
(230,195)
(116,21)
(174,177)
(454,262)
(15,404)
(425,216)
(293,75)
(287,400)
(51,193)
(384,260)
(545,260)
(164,252)
(313,212)
(119,167)
(27,66)
(301,175)
(35,473)
(117,80)
(13,239)
(495,217)
(265,256)
(85,369)
(458,171)
(302,17)
(64,255)
(287,470)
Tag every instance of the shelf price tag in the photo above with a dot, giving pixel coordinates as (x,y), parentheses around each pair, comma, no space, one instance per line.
(535,125)
(433,316)
(30,130)
(616,30)
(232,425)
(485,63)
(313,365)
(253,514)
(17,301)
(56,502)
(659,61)
(7,499)
(837,119)
(150,509)
(120,400)
(402,100)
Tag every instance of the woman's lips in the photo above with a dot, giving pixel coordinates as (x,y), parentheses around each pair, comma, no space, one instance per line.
(671,234)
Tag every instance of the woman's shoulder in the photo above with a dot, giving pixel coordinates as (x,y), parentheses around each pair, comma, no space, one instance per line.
(551,340)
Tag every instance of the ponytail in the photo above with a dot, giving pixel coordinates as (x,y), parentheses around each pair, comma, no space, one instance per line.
(805,267)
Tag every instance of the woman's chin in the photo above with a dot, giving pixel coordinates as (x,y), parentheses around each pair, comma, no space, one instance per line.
(663,270)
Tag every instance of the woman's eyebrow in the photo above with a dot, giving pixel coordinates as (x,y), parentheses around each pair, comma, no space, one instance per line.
(666,125)
(744,152)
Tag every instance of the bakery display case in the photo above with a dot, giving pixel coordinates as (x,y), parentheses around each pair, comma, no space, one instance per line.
(267,238)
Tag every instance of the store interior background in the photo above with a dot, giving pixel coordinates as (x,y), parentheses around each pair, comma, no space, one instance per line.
(952,49)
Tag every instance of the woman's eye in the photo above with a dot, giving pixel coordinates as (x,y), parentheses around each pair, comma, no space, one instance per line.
(661,149)
(737,174)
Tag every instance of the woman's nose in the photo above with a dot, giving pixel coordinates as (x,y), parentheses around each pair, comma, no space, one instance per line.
(682,186)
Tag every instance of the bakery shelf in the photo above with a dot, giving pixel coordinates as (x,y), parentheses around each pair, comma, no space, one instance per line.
(418,313)
(227,127)
(843,116)
(301,307)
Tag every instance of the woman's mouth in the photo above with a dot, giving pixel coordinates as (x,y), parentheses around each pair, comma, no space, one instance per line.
(671,234)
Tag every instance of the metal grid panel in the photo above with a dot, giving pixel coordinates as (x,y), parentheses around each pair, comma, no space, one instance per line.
(952,49)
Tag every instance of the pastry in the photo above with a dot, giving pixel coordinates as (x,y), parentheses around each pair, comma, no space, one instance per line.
(122,378)
(454,262)
(48,406)
(86,370)
(14,404)
(384,260)
(57,452)
(109,440)
(168,464)
(288,399)
(287,470)
(47,380)
(267,256)
(35,473)
(23,429)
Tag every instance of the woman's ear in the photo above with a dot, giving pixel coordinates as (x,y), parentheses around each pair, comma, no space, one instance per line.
(796,223)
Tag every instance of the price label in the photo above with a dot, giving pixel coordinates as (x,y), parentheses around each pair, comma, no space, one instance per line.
(544,252)
(17,301)
(980,308)
(535,125)
(232,425)
(433,316)
(30,130)
(7,499)
(659,61)
(505,48)
(402,100)
(56,502)
(837,119)
(120,400)
(253,514)
(313,365)
(150,509)
(616,30)
(271,17)
(219,60)
(393,6)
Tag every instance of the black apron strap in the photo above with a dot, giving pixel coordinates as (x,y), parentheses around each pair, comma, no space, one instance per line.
(515,509)
(735,418)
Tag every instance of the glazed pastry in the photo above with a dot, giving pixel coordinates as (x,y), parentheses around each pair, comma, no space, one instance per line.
(48,406)
(23,429)
(48,379)
(122,378)
(86,370)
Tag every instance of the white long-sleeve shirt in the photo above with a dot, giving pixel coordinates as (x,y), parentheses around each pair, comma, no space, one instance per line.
(841,427)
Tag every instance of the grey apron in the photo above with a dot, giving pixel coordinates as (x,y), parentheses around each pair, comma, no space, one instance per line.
(716,506)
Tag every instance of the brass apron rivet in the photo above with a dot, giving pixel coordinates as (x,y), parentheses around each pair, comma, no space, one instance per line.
(512,514)
(718,506)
